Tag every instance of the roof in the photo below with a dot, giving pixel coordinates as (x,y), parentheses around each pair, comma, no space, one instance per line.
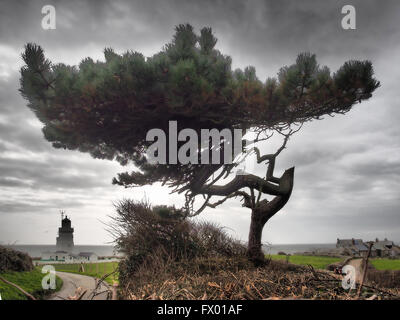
(383,245)
(361,247)
(86,254)
(349,242)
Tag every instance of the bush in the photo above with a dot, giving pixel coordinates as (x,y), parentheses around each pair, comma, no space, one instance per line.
(12,260)
(384,278)
(151,237)
(211,240)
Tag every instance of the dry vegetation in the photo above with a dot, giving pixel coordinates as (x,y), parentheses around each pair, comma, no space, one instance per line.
(12,260)
(168,257)
(235,278)
(384,278)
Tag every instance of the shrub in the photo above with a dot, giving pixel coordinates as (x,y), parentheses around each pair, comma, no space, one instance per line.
(212,240)
(12,260)
(384,278)
(151,237)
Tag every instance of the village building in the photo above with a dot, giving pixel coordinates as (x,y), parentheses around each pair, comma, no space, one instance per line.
(384,248)
(88,256)
(353,247)
(357,247)
(63,256)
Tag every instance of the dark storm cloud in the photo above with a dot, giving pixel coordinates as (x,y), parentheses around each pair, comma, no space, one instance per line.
(265,30)
(47,175)
(380,169)
(310,155)
(23,134)
(346,166)
(11,207)
(12,182)
(16,128)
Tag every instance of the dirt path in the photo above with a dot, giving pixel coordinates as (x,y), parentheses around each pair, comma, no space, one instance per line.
(72,281)
(358,265)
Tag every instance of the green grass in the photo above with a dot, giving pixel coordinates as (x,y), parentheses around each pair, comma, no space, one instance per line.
(316,261)
(386,264)
(96,270)
(30,281)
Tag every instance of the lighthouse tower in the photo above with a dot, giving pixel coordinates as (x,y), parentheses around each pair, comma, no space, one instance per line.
(65,239)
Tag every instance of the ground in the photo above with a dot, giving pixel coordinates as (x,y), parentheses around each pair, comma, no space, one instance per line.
(30,281)
(386,264)
(71,282)
(96,270)
(234,278)
(208,281)
(316,261)
(67,282)
(359,267)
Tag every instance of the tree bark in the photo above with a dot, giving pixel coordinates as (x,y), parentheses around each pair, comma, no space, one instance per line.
(254,249)
(262,212)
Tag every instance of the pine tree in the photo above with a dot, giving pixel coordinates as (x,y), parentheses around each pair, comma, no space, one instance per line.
(106,109)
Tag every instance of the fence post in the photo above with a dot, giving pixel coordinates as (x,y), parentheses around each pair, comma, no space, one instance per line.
(114,291)
(365,269)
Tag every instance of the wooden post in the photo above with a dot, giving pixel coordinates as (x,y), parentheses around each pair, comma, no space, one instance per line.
(81,268)
(365,269)
(97,269)
(114,291)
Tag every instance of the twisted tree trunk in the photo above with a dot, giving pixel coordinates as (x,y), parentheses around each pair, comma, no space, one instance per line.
(262,212)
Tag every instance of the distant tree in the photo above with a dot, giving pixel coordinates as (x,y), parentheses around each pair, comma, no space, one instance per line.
(106,109)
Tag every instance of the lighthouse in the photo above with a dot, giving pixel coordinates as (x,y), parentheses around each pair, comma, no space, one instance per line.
(65,239)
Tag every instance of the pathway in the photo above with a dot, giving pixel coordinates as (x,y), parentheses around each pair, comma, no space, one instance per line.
(72,281)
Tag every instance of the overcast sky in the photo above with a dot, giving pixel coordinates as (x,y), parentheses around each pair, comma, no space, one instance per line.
(347,167)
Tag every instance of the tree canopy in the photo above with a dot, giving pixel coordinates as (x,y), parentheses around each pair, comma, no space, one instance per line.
(106,107)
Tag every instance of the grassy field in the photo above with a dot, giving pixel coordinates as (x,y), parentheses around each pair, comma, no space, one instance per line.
(386,264)
(316,261)
(30,281)
(96,270)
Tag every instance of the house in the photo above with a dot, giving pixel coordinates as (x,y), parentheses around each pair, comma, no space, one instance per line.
(63,256)
(346,243)
(60,256)
(383,248)
(88,256)
(354,247)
